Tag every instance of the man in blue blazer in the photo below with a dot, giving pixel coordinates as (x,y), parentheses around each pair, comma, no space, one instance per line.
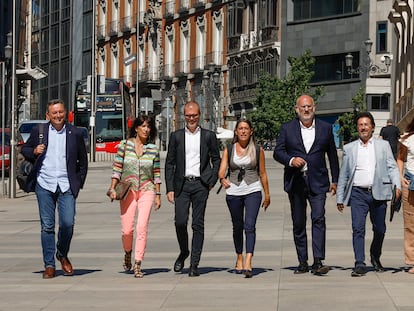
(367,176)
(301,147)
(59,171)
(191,168)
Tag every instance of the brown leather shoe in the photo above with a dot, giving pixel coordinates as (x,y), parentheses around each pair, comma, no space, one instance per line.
(66,265)
(49,273)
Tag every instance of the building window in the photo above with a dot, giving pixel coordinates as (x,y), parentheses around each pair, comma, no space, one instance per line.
(308,9)
(235,24)
(381,37)
(378,102)
(86,63)
(87,5)
(268,11)
(331,68)
(87,32)
(65,37)
(54,42)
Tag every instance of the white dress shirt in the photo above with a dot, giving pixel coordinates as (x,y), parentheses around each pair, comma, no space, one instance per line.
(192,152)
(365,166)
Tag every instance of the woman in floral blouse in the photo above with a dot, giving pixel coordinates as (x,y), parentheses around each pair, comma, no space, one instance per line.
(137,162)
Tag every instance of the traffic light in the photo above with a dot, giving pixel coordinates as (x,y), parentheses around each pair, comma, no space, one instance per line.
(21,90)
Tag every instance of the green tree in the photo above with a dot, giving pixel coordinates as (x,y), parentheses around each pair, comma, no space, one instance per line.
(348,129)
(276,98)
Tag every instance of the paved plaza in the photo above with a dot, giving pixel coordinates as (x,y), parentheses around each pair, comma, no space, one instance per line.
(100,284)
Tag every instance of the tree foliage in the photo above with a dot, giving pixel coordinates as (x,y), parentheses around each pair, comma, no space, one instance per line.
(348,129)
(276,98)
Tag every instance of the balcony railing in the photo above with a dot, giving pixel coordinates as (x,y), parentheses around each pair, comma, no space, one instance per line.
(141,17)
(234,43)
(127,23)
(213,57)
(143,75)
(169,9)
(181,67)
(114,28)
(184,6)
(198,63)
(101,32)
(244,41)
(269,34)
(199,3)
(168,71)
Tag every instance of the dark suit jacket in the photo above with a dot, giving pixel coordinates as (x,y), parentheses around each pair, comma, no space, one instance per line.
(76,157)
(289,144)
(175,161)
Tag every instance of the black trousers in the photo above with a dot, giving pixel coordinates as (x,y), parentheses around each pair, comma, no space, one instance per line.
(194,194)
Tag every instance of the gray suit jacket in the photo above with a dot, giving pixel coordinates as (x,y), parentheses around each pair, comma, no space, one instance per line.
(385,177)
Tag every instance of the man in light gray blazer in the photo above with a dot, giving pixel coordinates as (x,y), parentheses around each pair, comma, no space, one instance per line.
(366,179)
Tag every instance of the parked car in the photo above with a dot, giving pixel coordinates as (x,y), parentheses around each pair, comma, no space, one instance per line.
(5,158)
(26,127)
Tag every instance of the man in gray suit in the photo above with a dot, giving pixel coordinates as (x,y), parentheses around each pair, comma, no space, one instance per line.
(367,176)
(191,167)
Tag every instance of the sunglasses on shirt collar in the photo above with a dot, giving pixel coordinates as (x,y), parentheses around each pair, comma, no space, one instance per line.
(242,172)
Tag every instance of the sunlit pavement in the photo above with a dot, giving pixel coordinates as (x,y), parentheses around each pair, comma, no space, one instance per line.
(99,282)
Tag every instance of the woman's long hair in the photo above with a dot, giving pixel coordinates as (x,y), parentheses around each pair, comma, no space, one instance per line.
(139,120)
(251,146)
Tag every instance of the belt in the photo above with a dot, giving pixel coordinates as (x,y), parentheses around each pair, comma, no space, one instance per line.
(191,178)
(366,189)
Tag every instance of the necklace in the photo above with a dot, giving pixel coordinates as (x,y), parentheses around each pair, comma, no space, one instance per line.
(241,150)
(139,147)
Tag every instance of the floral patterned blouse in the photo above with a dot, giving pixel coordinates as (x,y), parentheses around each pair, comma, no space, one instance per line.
(142,171)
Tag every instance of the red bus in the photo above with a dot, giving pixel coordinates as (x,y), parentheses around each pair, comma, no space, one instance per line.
(113,110)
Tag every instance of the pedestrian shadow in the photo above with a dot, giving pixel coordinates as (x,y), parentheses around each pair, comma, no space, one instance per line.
(154,271)
(75,272)
(350,269)
(204,270)
(371,269)
(255,271)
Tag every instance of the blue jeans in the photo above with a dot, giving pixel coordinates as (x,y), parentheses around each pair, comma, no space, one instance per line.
(66,206)
(244,210)
(362,202)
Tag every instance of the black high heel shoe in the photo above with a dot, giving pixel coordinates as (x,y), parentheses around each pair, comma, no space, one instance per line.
(238,271)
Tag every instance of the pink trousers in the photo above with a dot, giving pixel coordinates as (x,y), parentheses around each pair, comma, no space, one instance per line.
(141,201)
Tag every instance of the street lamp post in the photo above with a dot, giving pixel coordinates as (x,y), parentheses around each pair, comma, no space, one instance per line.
(3,121)
(167,107)
(211,80)
(13,143)
(368,65)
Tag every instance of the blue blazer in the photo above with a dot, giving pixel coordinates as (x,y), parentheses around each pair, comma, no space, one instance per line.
(289,144)
(385,176)
(175,161)
(76,157)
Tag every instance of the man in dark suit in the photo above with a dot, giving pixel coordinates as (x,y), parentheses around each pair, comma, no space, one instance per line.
(391,133)
(59,171)
(191,167)
(301,148)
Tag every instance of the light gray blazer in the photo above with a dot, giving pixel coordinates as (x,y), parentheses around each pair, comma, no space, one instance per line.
(385,177)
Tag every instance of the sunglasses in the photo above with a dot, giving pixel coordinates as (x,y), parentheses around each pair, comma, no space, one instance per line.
(241,174)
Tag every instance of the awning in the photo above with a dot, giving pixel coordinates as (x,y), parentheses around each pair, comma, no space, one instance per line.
(223,133)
